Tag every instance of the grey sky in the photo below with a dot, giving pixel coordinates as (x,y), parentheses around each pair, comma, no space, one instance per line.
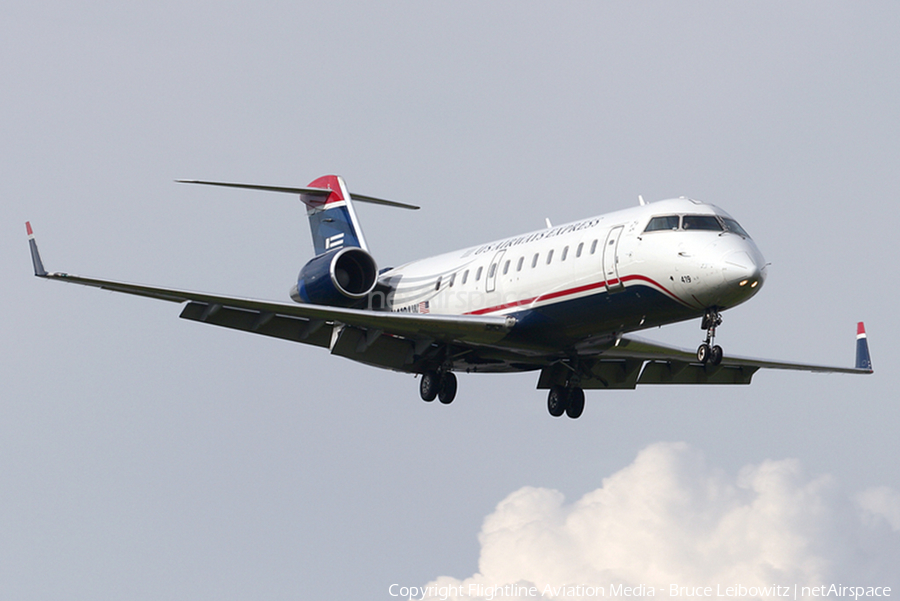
(145,457)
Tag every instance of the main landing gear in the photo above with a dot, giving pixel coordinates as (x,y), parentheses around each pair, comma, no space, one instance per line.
(438,384)
(709,352)
(563,399)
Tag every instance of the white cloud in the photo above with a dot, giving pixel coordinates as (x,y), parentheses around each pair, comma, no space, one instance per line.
(668,518)
(881,502)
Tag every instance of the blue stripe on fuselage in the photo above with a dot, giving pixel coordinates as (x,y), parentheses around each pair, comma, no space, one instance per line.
(568,322)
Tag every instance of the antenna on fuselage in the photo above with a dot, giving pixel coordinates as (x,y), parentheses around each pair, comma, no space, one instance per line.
(547,221)
(641,200)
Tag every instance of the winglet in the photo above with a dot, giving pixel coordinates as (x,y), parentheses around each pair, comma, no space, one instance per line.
(35,255)
(863,360)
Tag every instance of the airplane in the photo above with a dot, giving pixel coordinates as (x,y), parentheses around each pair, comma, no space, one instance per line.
(563,301)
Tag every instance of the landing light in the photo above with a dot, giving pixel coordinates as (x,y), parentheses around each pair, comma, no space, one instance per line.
(743,282)
(754,284)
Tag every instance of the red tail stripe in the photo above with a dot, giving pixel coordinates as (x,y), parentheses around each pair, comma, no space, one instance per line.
(329,182)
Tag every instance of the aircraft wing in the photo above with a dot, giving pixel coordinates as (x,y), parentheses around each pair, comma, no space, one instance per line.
(394,338)
(634,347)
(665,364)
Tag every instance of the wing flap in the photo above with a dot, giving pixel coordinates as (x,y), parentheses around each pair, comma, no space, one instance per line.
(601,374)
(679,372)
(295,329)
(366,346)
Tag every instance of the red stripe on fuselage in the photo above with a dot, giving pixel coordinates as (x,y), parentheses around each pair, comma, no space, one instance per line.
(576,290)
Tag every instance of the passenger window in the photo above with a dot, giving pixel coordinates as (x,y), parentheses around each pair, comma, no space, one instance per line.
(549,257)
(593,247)
(667,222)
(452,279)
(505,267)
(465,276)
(519,266)
(535,260)
(579,249)
(701,222)
(437,285)
(478,274)
(493,270)
(565,254)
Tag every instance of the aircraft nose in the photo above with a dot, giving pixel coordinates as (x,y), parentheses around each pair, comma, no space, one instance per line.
(744,270)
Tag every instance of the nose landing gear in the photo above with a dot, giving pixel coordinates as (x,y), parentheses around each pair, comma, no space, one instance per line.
(709,352)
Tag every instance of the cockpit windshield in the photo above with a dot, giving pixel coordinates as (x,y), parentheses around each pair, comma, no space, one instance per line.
(734,227)
(709,223)
(701,222)
(666,222)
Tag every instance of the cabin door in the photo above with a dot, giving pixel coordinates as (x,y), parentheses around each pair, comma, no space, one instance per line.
(611,260)
(491,281)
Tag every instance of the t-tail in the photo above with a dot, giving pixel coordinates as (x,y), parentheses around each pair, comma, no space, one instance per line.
(332,219)
(329,206)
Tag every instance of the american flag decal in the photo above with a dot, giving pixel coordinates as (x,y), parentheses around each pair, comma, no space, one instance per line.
(423,307)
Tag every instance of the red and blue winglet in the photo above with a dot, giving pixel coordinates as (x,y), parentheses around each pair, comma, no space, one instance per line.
(863,360)
(35,255)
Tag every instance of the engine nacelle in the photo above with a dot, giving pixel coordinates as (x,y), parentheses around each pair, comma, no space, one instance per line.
(341,277)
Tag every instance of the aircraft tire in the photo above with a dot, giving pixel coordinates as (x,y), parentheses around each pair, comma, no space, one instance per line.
(557,400)
(715,355)
(448,388)
(575,406)
(429,386)
(703,352)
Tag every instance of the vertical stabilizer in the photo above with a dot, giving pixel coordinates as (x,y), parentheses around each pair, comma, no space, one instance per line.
(332,220)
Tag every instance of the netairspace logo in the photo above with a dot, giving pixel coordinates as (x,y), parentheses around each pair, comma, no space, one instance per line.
(670,527)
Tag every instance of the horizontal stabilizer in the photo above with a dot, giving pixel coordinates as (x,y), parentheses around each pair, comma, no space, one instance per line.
(320,192)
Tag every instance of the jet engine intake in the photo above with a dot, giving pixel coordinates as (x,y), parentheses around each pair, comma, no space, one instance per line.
(341,277)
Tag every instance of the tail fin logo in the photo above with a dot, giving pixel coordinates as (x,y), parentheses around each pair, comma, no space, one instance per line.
(335,241)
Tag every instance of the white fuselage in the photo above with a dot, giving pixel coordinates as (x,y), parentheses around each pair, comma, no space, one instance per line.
(607,273)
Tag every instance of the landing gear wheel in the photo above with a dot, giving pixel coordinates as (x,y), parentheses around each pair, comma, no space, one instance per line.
(557,400)
(710,352)
(703,353)
(575,407)
(429,386)
(715,355)
(448,388)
